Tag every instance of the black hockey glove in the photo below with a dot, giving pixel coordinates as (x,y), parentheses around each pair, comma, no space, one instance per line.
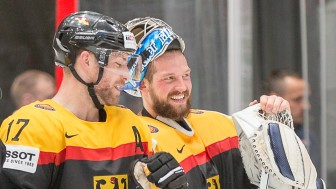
(162,169)
(2,154)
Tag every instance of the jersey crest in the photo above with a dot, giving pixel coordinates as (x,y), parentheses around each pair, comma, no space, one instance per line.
(110,181)
(45,107)
(153,129)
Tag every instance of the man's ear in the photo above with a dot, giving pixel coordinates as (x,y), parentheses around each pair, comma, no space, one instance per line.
(85,67)
(144,86)
(84,58)
(83,62)
(27,98)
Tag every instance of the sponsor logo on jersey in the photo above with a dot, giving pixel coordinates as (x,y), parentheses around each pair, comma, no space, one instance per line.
(83,20)
(196,111)
(180,150)
(45,107)
(69,135)
(213,182)
(23,158)
(153,129)
(110,181)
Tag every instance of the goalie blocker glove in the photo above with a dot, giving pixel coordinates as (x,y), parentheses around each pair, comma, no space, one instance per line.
(162,169)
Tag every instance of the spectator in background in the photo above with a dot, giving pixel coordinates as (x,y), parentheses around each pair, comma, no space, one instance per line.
(291,86)
(32,85)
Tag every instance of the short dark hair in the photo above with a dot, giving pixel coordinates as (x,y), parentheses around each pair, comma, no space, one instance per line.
(26,82)
(274,82)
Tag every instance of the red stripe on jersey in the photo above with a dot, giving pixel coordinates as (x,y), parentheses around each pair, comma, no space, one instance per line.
(222,146)
(100,154)
(50,157)
(193,161)
(213,150)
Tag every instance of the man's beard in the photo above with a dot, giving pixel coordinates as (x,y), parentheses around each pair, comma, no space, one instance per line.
(164,109)
(108,97)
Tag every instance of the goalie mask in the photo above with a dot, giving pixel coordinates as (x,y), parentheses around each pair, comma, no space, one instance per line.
(153,37)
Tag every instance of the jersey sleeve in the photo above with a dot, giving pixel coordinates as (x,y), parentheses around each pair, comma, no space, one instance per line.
(31,157)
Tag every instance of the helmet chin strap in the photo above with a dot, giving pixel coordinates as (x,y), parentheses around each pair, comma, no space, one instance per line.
(92,93)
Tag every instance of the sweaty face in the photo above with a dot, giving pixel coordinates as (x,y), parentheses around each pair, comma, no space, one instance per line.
(170,88)
(114,77)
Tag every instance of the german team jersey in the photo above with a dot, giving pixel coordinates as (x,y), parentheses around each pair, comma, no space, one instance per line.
(206,146)
(49,147)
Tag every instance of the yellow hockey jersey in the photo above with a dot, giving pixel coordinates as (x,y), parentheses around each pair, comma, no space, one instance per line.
(49,147)
(206,146)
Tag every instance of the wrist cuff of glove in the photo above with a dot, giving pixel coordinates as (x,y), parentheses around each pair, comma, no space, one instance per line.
(138,175)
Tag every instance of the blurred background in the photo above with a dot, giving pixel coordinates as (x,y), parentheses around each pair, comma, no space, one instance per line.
(231,46)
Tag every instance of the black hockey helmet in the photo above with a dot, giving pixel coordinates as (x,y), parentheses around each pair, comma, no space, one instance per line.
(93,32)
(99,34)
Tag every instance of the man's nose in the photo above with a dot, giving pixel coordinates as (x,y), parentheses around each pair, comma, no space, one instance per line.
(125,74)
(180,85)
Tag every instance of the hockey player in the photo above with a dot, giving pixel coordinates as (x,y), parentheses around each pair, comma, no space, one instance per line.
(204,142)
(81,138)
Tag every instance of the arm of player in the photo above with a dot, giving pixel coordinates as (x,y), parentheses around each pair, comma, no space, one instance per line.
(162,169)
(21,168)
(2,154)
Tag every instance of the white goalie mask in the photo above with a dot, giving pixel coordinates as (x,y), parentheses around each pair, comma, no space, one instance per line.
(153,37)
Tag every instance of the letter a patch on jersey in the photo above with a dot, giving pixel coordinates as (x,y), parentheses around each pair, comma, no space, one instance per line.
(23,158)
(137,139)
